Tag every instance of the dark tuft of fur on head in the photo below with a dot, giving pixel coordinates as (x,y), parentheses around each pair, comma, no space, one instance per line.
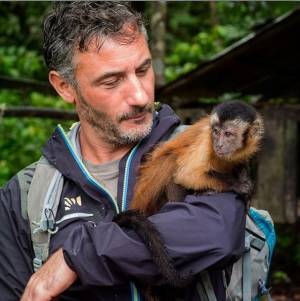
(235,110)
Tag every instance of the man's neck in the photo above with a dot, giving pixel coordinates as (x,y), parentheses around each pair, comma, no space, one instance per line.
(97,150)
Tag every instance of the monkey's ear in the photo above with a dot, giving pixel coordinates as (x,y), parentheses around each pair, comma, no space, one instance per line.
(257,128)
(214,118)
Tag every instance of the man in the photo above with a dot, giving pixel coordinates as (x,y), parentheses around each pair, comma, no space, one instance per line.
(99,60)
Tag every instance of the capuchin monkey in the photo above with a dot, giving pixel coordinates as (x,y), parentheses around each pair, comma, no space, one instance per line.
(210,156)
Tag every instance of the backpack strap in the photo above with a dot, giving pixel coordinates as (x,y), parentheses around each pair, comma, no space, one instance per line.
(177,130)
(43,199)
(247,283)
(204,288)
(41,186)
(25,178)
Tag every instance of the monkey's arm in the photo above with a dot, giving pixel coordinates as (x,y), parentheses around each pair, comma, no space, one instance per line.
(201,232)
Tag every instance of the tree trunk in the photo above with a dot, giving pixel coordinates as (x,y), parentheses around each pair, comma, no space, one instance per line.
(158,29)
(213,13)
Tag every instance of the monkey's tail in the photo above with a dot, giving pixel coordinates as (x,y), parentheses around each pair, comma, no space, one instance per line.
(138,222)
(155,175)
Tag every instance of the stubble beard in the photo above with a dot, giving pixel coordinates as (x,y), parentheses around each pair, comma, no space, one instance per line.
(110,130)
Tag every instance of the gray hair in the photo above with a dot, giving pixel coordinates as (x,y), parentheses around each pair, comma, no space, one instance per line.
(71,26)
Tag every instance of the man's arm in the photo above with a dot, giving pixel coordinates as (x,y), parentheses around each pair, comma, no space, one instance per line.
(202,232)
(53,278)
(15,245)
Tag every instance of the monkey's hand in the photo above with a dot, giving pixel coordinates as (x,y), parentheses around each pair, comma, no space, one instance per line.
(241,184)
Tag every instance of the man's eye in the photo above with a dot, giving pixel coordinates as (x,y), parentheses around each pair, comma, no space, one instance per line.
(142,71)
(111,83)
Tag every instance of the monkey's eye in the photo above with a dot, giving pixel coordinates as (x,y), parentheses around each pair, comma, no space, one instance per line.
(228,134)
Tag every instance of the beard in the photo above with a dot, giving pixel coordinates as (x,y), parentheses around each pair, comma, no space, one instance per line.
(110,130)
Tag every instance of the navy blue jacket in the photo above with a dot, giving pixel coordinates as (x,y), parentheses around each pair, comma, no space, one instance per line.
(201,232)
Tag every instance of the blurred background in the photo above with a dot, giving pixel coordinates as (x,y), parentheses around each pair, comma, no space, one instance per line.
(203,53)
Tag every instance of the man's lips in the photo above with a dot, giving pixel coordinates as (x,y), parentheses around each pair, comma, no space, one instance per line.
(138,117)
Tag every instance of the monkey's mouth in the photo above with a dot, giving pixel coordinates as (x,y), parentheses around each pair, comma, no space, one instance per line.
(221,153)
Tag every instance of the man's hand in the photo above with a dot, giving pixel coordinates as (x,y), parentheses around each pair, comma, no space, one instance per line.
(50,280)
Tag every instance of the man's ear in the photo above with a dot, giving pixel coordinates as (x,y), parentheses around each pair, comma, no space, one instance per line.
(62,87)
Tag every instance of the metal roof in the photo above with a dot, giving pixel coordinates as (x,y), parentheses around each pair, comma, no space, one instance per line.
(265,63)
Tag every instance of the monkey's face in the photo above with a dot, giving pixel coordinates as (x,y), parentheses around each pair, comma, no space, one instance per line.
(228,137)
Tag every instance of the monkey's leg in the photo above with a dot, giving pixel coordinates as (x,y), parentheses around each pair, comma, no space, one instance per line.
(151,237)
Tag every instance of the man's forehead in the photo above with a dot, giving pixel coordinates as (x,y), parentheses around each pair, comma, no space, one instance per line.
(111,51)
(112,57)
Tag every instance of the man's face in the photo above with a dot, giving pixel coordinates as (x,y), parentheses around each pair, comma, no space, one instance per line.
(115,90)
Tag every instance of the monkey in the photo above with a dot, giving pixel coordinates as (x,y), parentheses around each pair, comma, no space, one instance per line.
(210,156)
(203,157)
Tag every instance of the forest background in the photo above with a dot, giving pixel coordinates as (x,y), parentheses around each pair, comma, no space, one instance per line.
(195,32)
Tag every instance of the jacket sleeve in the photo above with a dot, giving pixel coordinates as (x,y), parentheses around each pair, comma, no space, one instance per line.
(15,245)
(201,232)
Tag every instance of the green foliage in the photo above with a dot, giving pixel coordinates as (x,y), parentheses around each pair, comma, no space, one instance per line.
(286,259)
(17,61)
(203,46)
(20,56)
(21,39)
(21,142)
(289,243)
(22,138)
(193,38)
(280,277)
(31,98)
(20,23)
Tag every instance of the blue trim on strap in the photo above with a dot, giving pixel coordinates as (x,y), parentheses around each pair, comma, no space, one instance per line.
(266,227)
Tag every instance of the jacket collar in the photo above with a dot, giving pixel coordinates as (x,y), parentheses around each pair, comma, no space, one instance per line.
(60,153)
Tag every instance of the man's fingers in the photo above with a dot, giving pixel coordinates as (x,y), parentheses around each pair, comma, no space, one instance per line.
(50,280)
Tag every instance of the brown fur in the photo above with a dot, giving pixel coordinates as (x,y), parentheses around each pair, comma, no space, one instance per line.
(188,160)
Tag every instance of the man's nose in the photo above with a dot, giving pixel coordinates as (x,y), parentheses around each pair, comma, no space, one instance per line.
(137,95)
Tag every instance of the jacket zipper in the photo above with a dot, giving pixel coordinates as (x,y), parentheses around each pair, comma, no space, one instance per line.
(86,173)
(126,177)
(135,295)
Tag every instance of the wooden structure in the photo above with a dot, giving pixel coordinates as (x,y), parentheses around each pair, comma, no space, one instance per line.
(266,64)
(263,63)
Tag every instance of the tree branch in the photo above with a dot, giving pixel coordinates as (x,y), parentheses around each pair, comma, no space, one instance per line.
(7,82)
(19,111)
